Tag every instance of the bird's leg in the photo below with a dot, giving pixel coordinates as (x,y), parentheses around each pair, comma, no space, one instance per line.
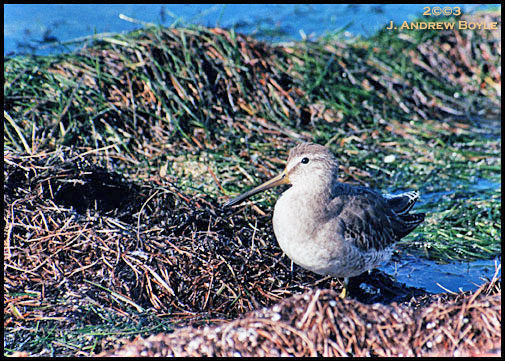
(343,294)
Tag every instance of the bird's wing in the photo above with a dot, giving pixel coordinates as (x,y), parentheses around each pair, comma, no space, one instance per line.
(402,203)
(365,219)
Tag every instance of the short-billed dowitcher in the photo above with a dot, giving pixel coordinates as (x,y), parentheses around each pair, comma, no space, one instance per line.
(329,227)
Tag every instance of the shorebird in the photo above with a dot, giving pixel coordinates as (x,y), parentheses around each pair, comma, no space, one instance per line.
(332,228)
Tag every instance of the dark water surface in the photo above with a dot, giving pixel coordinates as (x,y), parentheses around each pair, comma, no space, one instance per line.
(28,28)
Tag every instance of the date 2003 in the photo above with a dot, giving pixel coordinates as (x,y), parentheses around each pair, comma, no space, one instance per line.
(446,11)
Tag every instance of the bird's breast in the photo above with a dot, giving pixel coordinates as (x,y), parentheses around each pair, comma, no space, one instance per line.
(299,232)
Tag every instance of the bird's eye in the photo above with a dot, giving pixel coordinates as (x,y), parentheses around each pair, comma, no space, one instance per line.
(305,160)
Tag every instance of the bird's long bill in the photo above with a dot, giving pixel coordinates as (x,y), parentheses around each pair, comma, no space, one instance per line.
(275,181)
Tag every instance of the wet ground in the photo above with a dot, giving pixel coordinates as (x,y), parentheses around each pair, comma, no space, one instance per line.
(451,275)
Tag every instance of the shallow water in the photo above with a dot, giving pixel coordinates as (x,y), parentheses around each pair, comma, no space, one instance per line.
(456,276)
(28,26)
(481,185)
(417,271)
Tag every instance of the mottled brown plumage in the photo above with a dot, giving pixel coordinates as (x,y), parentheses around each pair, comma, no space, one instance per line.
(332,228)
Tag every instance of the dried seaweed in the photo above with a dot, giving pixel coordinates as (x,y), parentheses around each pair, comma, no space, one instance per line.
(319,323)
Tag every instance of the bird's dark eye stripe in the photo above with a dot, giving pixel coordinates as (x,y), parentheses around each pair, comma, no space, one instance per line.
(305,160)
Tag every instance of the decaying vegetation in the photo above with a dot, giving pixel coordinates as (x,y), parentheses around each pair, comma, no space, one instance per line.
(320,323)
